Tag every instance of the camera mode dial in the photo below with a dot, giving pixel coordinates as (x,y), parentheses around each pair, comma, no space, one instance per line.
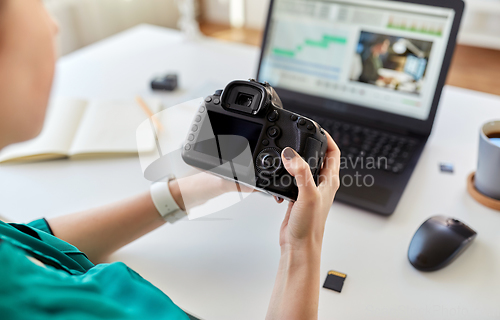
(268,161)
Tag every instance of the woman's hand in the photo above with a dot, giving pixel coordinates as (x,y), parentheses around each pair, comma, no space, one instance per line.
(296,291)
(305,219)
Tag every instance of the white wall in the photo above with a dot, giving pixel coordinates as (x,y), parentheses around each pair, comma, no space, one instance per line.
(256,13)
(217,11)
(82,22)
(480,26)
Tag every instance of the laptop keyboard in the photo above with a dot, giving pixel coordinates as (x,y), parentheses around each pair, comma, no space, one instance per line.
(387,151)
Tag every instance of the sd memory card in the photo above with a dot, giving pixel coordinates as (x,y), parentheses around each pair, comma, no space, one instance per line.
(335,280)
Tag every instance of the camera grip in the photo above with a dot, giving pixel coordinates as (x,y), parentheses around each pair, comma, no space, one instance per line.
(313,153)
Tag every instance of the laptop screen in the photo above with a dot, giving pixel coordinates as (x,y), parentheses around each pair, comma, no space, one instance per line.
(384,55)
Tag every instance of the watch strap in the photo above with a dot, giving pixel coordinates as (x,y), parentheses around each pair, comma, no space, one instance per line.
(164,202)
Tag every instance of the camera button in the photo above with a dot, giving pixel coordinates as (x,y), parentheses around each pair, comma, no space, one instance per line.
(265,142)
(187,147)
(268,161)
(216,101)
(302,122)
(294,117)
(197,118)
(191,137)
(208,99)
(310,127)
(273,132)
(194,128)
(273,116)
(202,109)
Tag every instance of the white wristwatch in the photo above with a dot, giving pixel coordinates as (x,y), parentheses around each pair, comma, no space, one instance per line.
(165,203)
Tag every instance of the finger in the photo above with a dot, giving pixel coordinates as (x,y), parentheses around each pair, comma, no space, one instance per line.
(299,169)
(278,199)
(329,174)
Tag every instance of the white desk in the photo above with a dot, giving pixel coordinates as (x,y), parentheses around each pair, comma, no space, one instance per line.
(225,268)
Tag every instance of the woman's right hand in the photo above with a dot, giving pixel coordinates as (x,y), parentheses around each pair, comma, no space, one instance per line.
(305,219)
(295,294)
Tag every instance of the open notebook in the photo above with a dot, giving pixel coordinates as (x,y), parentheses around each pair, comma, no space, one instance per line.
(77,128)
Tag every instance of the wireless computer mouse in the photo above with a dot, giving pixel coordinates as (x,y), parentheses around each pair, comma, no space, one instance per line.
(438,241)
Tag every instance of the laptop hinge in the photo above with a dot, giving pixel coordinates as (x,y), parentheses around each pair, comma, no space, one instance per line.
(384,126)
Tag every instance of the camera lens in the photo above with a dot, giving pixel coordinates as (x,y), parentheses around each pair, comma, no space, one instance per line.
(244,99)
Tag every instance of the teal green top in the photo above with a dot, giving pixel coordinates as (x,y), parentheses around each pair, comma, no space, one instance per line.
(70,287)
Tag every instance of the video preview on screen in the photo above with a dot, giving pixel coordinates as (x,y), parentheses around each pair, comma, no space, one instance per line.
(395,63)
(376,54)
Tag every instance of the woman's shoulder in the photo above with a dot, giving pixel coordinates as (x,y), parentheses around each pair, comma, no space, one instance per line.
(31,290)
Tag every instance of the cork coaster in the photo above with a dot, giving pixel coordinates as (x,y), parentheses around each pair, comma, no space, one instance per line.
(479,197)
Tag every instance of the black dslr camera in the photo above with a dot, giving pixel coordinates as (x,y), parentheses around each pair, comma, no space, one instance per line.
(240,136)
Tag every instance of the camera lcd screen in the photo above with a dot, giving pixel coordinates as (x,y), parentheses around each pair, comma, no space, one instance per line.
(223,125)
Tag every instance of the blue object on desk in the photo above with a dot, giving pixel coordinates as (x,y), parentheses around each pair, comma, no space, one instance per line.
(446,167)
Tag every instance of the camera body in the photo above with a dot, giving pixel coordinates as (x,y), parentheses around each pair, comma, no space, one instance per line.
(241,134)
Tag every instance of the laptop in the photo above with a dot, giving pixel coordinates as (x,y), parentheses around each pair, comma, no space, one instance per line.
(371,73)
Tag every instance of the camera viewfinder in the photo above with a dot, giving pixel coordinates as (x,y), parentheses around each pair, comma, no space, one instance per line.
(244,99)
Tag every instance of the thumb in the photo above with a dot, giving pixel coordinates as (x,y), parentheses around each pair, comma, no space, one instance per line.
(300,170)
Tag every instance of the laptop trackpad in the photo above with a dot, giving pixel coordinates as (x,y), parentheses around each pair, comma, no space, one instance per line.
(374,194)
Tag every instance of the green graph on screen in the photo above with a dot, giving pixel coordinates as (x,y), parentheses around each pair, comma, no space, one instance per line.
(324,43)
(308,49)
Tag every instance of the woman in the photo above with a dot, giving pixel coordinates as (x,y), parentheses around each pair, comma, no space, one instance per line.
(49,269)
